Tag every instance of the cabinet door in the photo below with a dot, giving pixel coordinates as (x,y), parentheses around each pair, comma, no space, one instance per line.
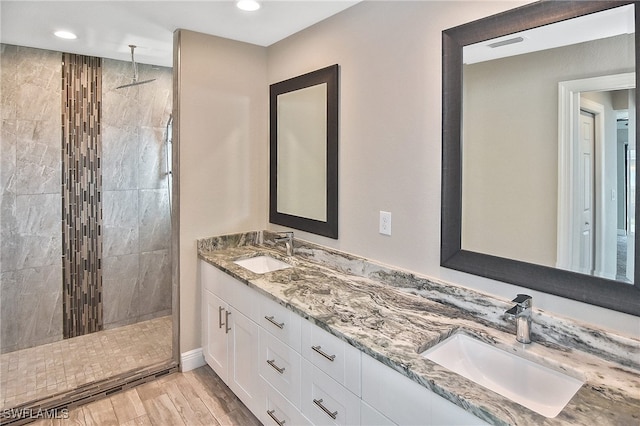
(214,333)
(244,379)
(405,402)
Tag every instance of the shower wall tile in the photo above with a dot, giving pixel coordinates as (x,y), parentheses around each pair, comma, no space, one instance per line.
(120,223)
(38,156)
(38,230)
(9,241)
(119,157)
(120,290)
(8,80)
(155,282)
(40,290)
(120,106)
(154,220)
(9,311)
(8,141)
(155,97)
(39,73)
(152,172)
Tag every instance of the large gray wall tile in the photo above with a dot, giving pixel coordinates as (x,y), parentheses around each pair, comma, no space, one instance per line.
(38,157)
(120,291)
(155,222)
(155,281)
(39,73)
(39,230)
(120,223)
(8,141)
(119,157)
(8,80)
(152,172)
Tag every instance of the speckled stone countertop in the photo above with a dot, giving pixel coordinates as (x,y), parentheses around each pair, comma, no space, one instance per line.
(393,316)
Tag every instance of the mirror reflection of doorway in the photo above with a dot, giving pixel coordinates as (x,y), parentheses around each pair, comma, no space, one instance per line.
(596,224)
(602,193)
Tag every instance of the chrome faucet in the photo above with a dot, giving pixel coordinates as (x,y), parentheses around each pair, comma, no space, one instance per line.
(522,313)
(288,241)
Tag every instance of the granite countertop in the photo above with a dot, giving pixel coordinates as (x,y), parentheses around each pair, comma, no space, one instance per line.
(394,315)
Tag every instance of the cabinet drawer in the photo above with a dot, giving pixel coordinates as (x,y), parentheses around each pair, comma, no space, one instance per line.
(371,416)
(280,321)
(212,279)
(279,365)
(325,401)
(278,411)
(333,356)
(235,293)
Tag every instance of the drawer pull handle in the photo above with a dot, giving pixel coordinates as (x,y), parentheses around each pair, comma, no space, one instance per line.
(272,362)
(220,323)
(323,353)
(226,319)
(280,325)
(318,402)
(275,419)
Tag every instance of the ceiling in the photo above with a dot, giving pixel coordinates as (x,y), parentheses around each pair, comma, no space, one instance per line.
(596,26)
(107,28)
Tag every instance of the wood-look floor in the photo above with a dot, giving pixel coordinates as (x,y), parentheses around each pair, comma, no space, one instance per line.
(197,397)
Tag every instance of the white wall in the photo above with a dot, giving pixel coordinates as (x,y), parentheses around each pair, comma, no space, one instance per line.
(223,143)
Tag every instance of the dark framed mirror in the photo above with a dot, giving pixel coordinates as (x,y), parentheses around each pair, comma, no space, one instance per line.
(517,219)
(303,176)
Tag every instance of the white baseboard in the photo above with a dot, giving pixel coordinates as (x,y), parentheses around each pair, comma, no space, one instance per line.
(192,360)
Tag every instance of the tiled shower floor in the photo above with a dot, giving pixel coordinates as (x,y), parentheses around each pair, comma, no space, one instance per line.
(45,370)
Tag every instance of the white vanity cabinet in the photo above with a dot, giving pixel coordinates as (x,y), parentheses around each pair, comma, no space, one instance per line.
(229,337)
(288,371)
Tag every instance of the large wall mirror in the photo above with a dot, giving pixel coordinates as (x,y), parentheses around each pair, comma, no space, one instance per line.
(539,150)
(304,152)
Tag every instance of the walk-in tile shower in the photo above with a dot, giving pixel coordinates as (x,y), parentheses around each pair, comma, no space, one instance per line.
(67,209)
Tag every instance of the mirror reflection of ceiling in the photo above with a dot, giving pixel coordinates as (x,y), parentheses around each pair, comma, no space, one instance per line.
(596,26)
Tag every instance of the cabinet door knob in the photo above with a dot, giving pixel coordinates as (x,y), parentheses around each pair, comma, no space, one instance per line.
(275,419)
(328,412)
(323,353)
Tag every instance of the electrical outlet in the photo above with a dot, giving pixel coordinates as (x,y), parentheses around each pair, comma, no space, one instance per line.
(385,223)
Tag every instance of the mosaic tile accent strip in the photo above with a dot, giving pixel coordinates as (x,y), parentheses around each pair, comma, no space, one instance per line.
(81,194)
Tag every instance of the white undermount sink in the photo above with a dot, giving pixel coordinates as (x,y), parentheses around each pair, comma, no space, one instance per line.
(537,387)
(262,264)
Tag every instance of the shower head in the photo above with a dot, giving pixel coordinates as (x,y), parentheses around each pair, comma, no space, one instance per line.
(135,83)
(134,66)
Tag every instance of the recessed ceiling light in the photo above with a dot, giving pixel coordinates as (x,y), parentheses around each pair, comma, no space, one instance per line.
(66,35)
(248,5)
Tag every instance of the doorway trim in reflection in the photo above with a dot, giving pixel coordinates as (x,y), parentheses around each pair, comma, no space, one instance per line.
(569,106)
